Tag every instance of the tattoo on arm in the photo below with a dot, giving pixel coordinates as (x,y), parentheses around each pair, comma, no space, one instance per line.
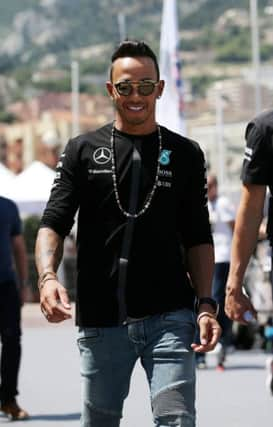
(48,250)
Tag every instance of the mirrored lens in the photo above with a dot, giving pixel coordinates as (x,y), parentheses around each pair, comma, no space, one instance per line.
(124,88)
(143,88)
(146,88)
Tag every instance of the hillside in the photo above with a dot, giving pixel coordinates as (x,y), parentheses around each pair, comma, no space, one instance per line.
(40,37)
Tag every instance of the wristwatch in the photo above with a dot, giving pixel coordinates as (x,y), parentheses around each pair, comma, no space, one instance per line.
(206,300)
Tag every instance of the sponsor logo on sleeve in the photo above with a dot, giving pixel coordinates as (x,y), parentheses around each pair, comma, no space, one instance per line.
(248,154)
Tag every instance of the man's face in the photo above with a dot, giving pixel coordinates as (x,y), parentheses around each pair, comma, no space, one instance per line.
(135,113)
(212,188)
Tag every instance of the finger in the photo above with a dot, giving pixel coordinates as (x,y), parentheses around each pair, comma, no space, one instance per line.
(203,334)
(197,348)
(53,313)
(54,299)
(215,335)
(49,299)
(49,314)
(52,306)
(46,308)
(235,313)
(56,318)
(64,299)
(60,310)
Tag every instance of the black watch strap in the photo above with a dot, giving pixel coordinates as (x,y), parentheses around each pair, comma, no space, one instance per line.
(207,300)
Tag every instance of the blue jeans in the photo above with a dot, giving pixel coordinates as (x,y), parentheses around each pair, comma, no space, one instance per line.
(108,355)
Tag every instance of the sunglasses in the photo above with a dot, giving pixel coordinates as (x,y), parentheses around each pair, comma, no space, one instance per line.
(144,88)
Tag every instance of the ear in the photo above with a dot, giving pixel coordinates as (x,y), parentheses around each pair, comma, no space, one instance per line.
(160,88)
(109,88)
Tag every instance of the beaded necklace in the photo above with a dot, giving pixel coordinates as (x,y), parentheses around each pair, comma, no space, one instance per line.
(150,195)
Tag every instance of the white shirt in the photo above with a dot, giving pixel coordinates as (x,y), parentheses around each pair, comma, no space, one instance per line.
(221,212)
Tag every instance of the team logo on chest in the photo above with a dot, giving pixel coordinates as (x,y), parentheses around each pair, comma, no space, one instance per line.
(165,157)
(102,155)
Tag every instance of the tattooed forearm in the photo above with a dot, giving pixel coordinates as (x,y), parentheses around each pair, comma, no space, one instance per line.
(48,250)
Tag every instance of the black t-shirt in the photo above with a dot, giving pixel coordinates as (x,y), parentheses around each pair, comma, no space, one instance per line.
(258,159)
(10,226)
(257,164)
(177,219)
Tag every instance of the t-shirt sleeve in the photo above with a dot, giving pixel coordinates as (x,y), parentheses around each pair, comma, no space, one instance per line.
(196,228)
(63,202)
(257,165)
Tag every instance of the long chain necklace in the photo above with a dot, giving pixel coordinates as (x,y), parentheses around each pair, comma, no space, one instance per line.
(150,196)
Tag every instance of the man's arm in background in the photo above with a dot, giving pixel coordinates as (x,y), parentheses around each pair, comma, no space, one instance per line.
(248,220)
(21,262)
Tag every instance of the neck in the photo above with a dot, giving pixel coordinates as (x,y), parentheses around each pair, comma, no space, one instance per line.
(150,195)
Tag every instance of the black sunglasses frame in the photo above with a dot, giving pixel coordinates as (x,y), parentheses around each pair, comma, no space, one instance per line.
(139,84)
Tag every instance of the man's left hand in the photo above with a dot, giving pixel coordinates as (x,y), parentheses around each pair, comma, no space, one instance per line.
(210,332)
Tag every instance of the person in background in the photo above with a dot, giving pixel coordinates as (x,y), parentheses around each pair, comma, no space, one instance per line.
(12,283)
(141,194)
(268,334)
(222,217)
(257,174)
(49,148)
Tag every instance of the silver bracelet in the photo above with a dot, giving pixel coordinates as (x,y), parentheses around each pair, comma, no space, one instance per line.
(48,275)
(203,314)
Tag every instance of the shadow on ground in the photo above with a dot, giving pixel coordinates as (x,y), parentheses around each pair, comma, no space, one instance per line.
(48,417)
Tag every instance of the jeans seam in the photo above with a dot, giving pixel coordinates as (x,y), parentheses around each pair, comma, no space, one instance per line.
(170,387)
(103,411)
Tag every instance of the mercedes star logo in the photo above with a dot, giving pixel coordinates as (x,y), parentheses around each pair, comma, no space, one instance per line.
(102,155)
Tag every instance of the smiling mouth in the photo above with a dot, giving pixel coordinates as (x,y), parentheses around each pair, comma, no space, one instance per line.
(135,108)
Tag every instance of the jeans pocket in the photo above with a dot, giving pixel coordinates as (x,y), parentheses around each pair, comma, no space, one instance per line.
(179,327)
(89,335)
(179,316)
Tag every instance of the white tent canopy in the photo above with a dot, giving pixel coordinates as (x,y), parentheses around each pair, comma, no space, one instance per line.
(6,177)
(31,188)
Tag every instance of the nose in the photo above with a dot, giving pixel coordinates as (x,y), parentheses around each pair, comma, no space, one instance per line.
(134,93)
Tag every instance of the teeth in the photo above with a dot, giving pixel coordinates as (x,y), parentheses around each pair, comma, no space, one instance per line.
(135,108)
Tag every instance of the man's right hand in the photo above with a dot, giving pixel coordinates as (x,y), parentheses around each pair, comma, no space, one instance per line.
(54,302)
(237,304)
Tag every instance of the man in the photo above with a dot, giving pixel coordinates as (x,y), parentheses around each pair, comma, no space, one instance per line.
(222,216)
(140,190)
(12,246)
(257,174)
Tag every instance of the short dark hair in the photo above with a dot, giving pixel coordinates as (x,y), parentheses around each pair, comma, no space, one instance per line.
(133,49)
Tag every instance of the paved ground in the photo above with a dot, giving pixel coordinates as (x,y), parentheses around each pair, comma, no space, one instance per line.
(50,384)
